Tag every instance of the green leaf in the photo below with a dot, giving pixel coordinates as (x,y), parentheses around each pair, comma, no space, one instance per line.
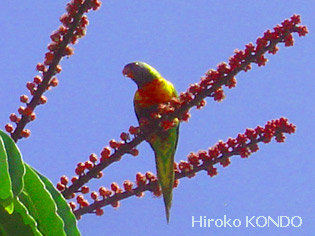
(63,208)
(18,223)
(15,163)
(6,194)
(41,205)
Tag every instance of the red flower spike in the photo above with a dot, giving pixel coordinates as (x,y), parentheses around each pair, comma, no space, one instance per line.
(25,133)
(93,157)
(99,212)
(64,180)
(94,195)
(60,187)
(85,189)
(128,186)
(72,205)
(74,178)
(134,152)
(54,82)
(13,117)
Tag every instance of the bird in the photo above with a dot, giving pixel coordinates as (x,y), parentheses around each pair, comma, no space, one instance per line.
(153,90)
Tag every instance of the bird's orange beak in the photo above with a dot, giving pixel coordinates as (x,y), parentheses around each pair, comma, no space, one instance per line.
(128,73)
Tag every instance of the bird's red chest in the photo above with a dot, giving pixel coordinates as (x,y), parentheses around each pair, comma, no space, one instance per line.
(156,92)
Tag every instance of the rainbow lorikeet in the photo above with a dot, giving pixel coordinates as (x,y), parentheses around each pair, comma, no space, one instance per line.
(153,90)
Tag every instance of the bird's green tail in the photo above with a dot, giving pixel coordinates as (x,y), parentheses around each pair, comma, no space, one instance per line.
(164,146)
(165,174)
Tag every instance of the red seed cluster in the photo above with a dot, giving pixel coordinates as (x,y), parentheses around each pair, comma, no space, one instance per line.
(244,145)
(56,50)
(213,80)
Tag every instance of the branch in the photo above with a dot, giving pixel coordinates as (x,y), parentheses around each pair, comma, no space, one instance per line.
(244,145)
(73,28)
(210,85)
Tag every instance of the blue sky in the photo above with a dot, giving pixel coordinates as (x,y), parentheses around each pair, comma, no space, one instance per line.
(181,39)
